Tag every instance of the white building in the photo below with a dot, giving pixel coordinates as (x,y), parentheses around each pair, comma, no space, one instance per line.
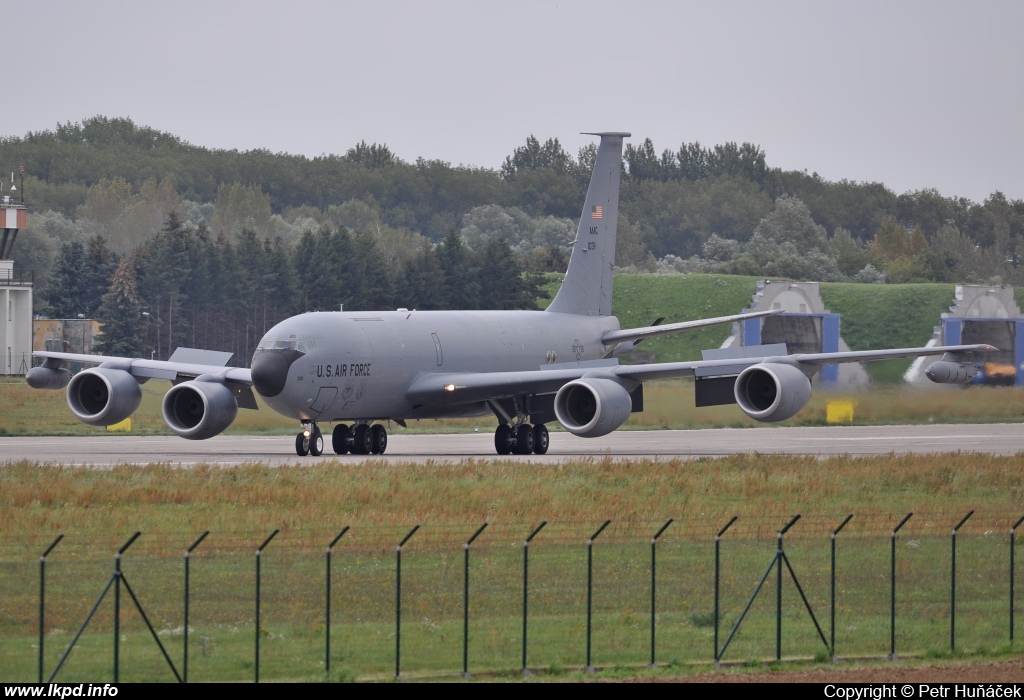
(15,296)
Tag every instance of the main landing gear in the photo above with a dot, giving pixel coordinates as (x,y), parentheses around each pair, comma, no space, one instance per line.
(360,439)
(523,439)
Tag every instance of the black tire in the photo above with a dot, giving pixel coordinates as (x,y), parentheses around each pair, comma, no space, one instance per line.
(541,440)
(301,445)
(524,439)
(316,443)
(503,440)
(339,439)
(379,437)
(362,440)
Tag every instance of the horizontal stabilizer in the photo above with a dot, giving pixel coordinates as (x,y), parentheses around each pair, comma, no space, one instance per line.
(629,334)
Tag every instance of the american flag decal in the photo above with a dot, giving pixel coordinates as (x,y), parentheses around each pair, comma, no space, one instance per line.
(595,211)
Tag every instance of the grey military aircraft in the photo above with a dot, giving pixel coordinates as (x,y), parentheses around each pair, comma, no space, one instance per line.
(528,368)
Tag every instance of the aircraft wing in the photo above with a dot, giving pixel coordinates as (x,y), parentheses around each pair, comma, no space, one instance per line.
(469,387)
(636,334)
(152,369)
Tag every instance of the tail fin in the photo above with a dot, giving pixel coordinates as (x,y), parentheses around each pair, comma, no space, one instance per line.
(587,287)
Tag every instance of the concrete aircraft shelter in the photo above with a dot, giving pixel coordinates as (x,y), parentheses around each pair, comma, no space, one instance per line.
(806,326)
(981,314)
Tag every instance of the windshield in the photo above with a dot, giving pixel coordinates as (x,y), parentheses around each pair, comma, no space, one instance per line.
(302,346)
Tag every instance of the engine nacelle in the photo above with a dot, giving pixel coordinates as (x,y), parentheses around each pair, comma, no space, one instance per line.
(198,410)
(48,378)
(945,372)
(772,392)
(592,407)
(103,396)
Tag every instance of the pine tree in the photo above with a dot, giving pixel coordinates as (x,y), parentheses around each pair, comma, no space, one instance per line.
(100,264)
(462,290)
(67,296)
(121,314)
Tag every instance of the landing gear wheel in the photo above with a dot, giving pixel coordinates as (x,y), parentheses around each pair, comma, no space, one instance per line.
(503,440)
(316,442)
(379,438)
(362,440)
(524,439)
(540,439)
(339,439)
(301,445)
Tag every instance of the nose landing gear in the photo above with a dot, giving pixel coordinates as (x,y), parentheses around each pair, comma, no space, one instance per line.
(310,441)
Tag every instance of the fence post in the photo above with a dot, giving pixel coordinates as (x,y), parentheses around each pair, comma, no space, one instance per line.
(42,601)
(1013,538)
(892,589)
(952,585)
(590,589)
(327,604)
(526,579)
(778,589)
(465,602)
(117,605)
(832,589)
(398,602)
(654,581)
(188,555)
(718,539)
(259,552)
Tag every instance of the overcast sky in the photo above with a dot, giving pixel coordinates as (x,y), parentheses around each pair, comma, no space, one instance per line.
(913,94)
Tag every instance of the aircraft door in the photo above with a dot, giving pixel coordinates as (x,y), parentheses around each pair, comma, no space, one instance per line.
(323,400)
(437,349)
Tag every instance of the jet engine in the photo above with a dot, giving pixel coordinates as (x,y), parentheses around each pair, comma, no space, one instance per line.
(103,395)
(198,409)
(48,377)
(592,406)
(945,372)
(772,392)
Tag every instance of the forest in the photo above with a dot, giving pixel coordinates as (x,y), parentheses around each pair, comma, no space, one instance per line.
(170,244)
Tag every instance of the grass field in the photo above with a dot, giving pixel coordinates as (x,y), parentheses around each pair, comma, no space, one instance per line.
(98,510)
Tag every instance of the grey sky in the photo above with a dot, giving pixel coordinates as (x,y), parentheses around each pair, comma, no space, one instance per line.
(913,94)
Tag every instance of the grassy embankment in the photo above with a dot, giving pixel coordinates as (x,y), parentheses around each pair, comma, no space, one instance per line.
(99,509)
(874,316)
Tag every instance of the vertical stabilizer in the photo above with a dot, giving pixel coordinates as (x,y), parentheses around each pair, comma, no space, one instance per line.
(587,288)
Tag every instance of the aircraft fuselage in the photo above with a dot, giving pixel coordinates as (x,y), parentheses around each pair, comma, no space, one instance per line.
(359,365)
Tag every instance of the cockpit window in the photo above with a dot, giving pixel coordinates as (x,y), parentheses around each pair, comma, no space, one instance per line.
(302,346)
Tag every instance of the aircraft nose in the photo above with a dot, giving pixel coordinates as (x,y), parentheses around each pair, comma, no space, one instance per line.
(269,373)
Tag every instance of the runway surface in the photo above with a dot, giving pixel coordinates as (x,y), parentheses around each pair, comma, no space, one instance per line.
(105,451)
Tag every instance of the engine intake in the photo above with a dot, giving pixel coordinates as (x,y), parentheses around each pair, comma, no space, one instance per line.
(103,396)
(592,407)
(772,392)
(198,410)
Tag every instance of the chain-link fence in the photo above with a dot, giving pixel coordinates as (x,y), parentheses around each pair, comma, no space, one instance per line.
(583,601)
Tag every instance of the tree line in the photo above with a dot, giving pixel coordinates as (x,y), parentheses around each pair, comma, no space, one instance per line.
(676,198)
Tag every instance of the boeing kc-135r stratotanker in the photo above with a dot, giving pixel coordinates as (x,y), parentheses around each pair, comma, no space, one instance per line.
(528,368)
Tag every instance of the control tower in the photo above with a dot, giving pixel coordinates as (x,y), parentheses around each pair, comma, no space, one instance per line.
(15,290)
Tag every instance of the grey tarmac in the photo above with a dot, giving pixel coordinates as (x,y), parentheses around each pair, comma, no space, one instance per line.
(226,450)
